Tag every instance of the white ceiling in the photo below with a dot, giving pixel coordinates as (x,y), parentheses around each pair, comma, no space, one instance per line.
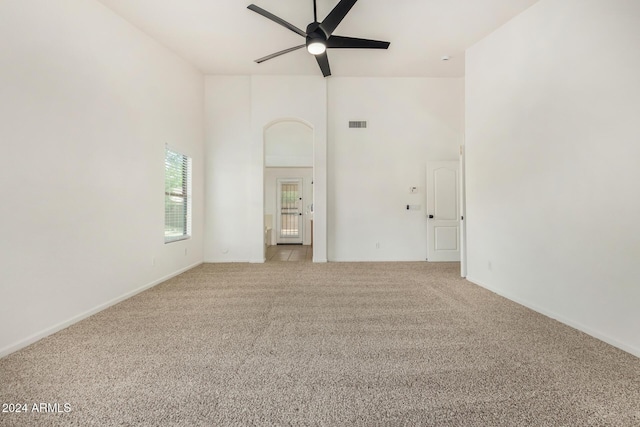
(224,37)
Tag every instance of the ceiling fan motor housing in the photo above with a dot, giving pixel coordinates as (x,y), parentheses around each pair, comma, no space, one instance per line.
(315,34)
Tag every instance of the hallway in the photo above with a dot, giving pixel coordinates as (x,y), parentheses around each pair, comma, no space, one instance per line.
(298,253)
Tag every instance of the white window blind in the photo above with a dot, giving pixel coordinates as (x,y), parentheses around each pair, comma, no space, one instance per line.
(177,196)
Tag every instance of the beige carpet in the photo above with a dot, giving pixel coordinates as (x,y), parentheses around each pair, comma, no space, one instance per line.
(322,344)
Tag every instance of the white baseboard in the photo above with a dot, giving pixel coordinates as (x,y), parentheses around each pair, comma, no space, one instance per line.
(576,325)
(364,260)
(75,319)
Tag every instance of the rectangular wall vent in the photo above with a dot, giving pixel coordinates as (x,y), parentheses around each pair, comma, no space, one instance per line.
(358,124)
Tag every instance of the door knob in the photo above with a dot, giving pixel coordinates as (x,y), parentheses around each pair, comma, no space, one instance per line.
(430,216)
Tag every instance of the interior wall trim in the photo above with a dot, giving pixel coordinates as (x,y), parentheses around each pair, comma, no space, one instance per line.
(562,319)
(75,319)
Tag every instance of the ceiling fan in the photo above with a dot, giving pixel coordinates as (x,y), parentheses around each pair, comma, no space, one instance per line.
(319,35)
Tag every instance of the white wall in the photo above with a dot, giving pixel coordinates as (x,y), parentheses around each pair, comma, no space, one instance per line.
(553,143)
(238,110)
(410,121)
(87,104)
(271,176)
(228,169)
(288,144)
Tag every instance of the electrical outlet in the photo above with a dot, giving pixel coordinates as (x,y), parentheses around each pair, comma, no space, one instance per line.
(153,261)
(185,251)
(489,266)
(377,245)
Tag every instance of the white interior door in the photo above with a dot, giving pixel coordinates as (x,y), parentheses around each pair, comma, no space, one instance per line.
(289,214)
(443,211)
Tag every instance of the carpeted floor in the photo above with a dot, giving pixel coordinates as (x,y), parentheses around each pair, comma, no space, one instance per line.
(335,344)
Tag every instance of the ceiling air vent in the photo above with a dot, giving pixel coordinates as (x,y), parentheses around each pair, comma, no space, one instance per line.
(358,124)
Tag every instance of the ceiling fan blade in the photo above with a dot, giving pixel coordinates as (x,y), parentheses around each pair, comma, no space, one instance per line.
(276,19)
(338,42)
(336,16)
(282,52)
(323,62)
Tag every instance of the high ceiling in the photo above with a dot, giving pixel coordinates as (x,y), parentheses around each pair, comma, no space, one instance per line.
(224,37)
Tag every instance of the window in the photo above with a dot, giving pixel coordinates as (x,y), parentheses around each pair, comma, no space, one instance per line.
(177,196)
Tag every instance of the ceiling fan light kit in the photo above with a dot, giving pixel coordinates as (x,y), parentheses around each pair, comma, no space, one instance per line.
(316,47)
(319,35)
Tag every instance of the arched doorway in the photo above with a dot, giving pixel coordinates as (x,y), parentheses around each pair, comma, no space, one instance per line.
(288,190)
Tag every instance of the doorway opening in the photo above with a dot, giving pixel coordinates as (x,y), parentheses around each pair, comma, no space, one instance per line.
(288,191)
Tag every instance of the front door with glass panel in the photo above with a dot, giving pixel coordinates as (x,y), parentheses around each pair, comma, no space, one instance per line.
(289,216)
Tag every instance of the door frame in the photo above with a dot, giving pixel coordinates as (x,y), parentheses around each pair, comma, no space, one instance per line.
(463,214)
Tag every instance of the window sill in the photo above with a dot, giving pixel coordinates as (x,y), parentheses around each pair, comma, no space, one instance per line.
(176,239)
